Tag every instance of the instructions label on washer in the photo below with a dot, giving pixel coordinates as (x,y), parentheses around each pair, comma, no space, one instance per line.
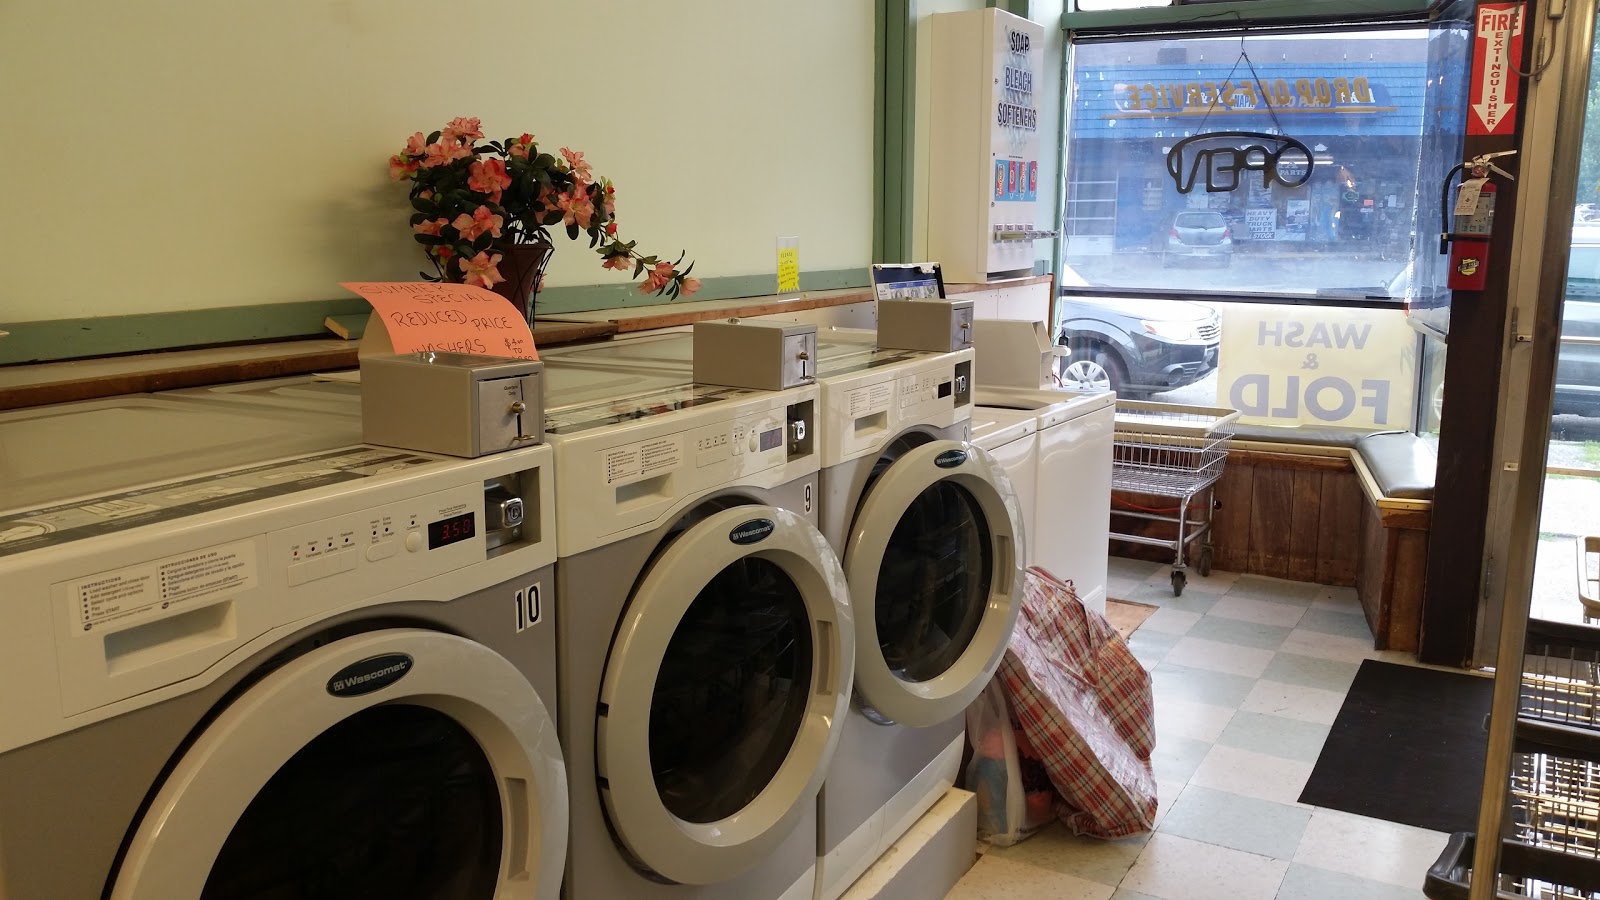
(163,587)
(870,399)
(642,460)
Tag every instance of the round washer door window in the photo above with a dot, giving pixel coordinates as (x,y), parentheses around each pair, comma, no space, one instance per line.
(723,693)
(401,763)
(934,564)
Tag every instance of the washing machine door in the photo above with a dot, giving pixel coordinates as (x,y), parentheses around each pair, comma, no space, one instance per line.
(723,695)
(405,764)
(934,560)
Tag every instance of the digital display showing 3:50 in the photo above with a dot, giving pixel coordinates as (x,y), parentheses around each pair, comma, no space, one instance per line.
(452,530)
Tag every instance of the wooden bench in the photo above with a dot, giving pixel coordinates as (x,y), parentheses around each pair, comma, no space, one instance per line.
(1336,507)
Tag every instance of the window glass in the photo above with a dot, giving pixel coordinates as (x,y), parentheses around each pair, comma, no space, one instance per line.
(731,692)
(1197,270)
(395,801)
(933,586)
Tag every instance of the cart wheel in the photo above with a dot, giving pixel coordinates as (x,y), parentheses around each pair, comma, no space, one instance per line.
(1204,564)
(1178,581)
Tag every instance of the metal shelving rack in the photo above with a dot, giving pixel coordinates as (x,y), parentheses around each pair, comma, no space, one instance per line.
(1540,797)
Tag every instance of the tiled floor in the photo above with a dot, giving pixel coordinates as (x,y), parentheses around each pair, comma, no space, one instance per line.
(1249,673)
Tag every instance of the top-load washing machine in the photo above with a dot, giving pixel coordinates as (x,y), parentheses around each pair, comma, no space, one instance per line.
(931,539)
(1071,514)
(706,644)
(1011,437)
(240,658)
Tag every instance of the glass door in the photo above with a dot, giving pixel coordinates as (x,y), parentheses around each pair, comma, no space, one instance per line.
(1568,563)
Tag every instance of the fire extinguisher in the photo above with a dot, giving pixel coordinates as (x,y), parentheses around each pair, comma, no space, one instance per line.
(1467,242)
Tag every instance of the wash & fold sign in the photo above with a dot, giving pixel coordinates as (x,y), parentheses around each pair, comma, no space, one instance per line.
(1318,366)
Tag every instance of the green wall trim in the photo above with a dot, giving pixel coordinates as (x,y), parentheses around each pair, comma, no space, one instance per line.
(1255,11)
(894,105)
(57,339)
(618,296)
(60,339)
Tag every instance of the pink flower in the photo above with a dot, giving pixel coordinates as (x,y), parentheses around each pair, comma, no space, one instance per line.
(657,278)
(576,208)
(447,150)
(401,167)
(690,285)
(468,129)
(441,253)
(416,145)
(581,171)
(611,200)
(432,226)
(489,177)
(480,269)
(520,146)
(611,228)
(620,263)
(425,195)
(476,224)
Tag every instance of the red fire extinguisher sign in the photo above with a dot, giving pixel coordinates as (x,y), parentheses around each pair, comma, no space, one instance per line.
(1496,52)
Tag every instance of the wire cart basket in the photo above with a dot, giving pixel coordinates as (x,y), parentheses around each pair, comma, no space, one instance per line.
(1177,452)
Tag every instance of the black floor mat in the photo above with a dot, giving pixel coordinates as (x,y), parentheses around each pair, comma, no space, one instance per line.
(1408,747)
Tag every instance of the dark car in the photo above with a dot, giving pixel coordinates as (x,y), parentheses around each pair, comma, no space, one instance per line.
(1578,362)
(1136,346)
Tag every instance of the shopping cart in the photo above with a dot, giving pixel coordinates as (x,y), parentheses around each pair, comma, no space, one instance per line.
(1175,452)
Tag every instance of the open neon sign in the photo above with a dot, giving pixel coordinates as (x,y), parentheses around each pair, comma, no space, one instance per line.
(1223,155)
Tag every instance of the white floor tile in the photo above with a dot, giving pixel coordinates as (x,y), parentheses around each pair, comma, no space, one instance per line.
(996,878)
(1369,848)
(1292,701)
(1091,859)
(1170,621)
(1196,721)
(1167,793)
(1338,599)
(1214,656)
(1251,774)
(1175,868)
(1261,612)
(1327,646)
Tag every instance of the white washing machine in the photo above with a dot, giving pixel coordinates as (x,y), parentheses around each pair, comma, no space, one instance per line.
(1011,437)
(905,500)
(1072,513)
(240,660)
(706,643)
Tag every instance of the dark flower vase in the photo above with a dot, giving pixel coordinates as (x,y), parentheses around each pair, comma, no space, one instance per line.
(522,267)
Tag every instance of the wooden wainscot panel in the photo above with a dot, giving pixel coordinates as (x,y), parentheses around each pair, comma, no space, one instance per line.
(1278,514)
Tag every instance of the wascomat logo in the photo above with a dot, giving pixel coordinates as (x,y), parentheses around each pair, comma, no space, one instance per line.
(751,531)
(370,674)
(950,459)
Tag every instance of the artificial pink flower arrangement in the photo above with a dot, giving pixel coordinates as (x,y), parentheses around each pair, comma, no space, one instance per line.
(473,200)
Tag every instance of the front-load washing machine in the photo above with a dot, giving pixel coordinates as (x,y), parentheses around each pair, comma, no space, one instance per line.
(931,538)
(705,636)
(1072,513)
(229,671)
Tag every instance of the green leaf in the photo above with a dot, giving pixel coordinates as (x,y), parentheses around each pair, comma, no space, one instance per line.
(433,136)
(688,270)
(572,231)
(638,268)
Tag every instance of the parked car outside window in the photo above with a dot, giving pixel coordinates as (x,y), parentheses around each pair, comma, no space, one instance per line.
(1135,346)
(1199,236)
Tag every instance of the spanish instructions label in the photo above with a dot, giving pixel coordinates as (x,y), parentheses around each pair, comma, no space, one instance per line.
(154,590)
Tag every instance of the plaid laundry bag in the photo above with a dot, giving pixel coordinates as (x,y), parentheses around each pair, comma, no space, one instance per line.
(1083,703)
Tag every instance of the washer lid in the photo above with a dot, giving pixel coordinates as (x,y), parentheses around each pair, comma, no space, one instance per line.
(724,694)
(934,560)
(272,743)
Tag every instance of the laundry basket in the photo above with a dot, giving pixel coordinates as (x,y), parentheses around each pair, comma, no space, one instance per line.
(1177,452)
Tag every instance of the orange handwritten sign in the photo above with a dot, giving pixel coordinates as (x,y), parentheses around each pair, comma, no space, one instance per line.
(454,318)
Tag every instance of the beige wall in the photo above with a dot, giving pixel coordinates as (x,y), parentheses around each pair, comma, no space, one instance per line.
(184,154)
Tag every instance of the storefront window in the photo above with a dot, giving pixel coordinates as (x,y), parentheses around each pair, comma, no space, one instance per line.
(1267,272)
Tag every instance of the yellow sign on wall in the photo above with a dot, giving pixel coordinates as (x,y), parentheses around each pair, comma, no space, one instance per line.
(788,265)
(1290,365)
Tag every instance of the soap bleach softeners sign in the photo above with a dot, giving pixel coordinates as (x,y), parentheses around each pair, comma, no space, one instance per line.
(1318,366)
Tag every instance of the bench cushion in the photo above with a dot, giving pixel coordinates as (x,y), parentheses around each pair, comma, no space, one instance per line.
(1402,464)
(1326,436)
